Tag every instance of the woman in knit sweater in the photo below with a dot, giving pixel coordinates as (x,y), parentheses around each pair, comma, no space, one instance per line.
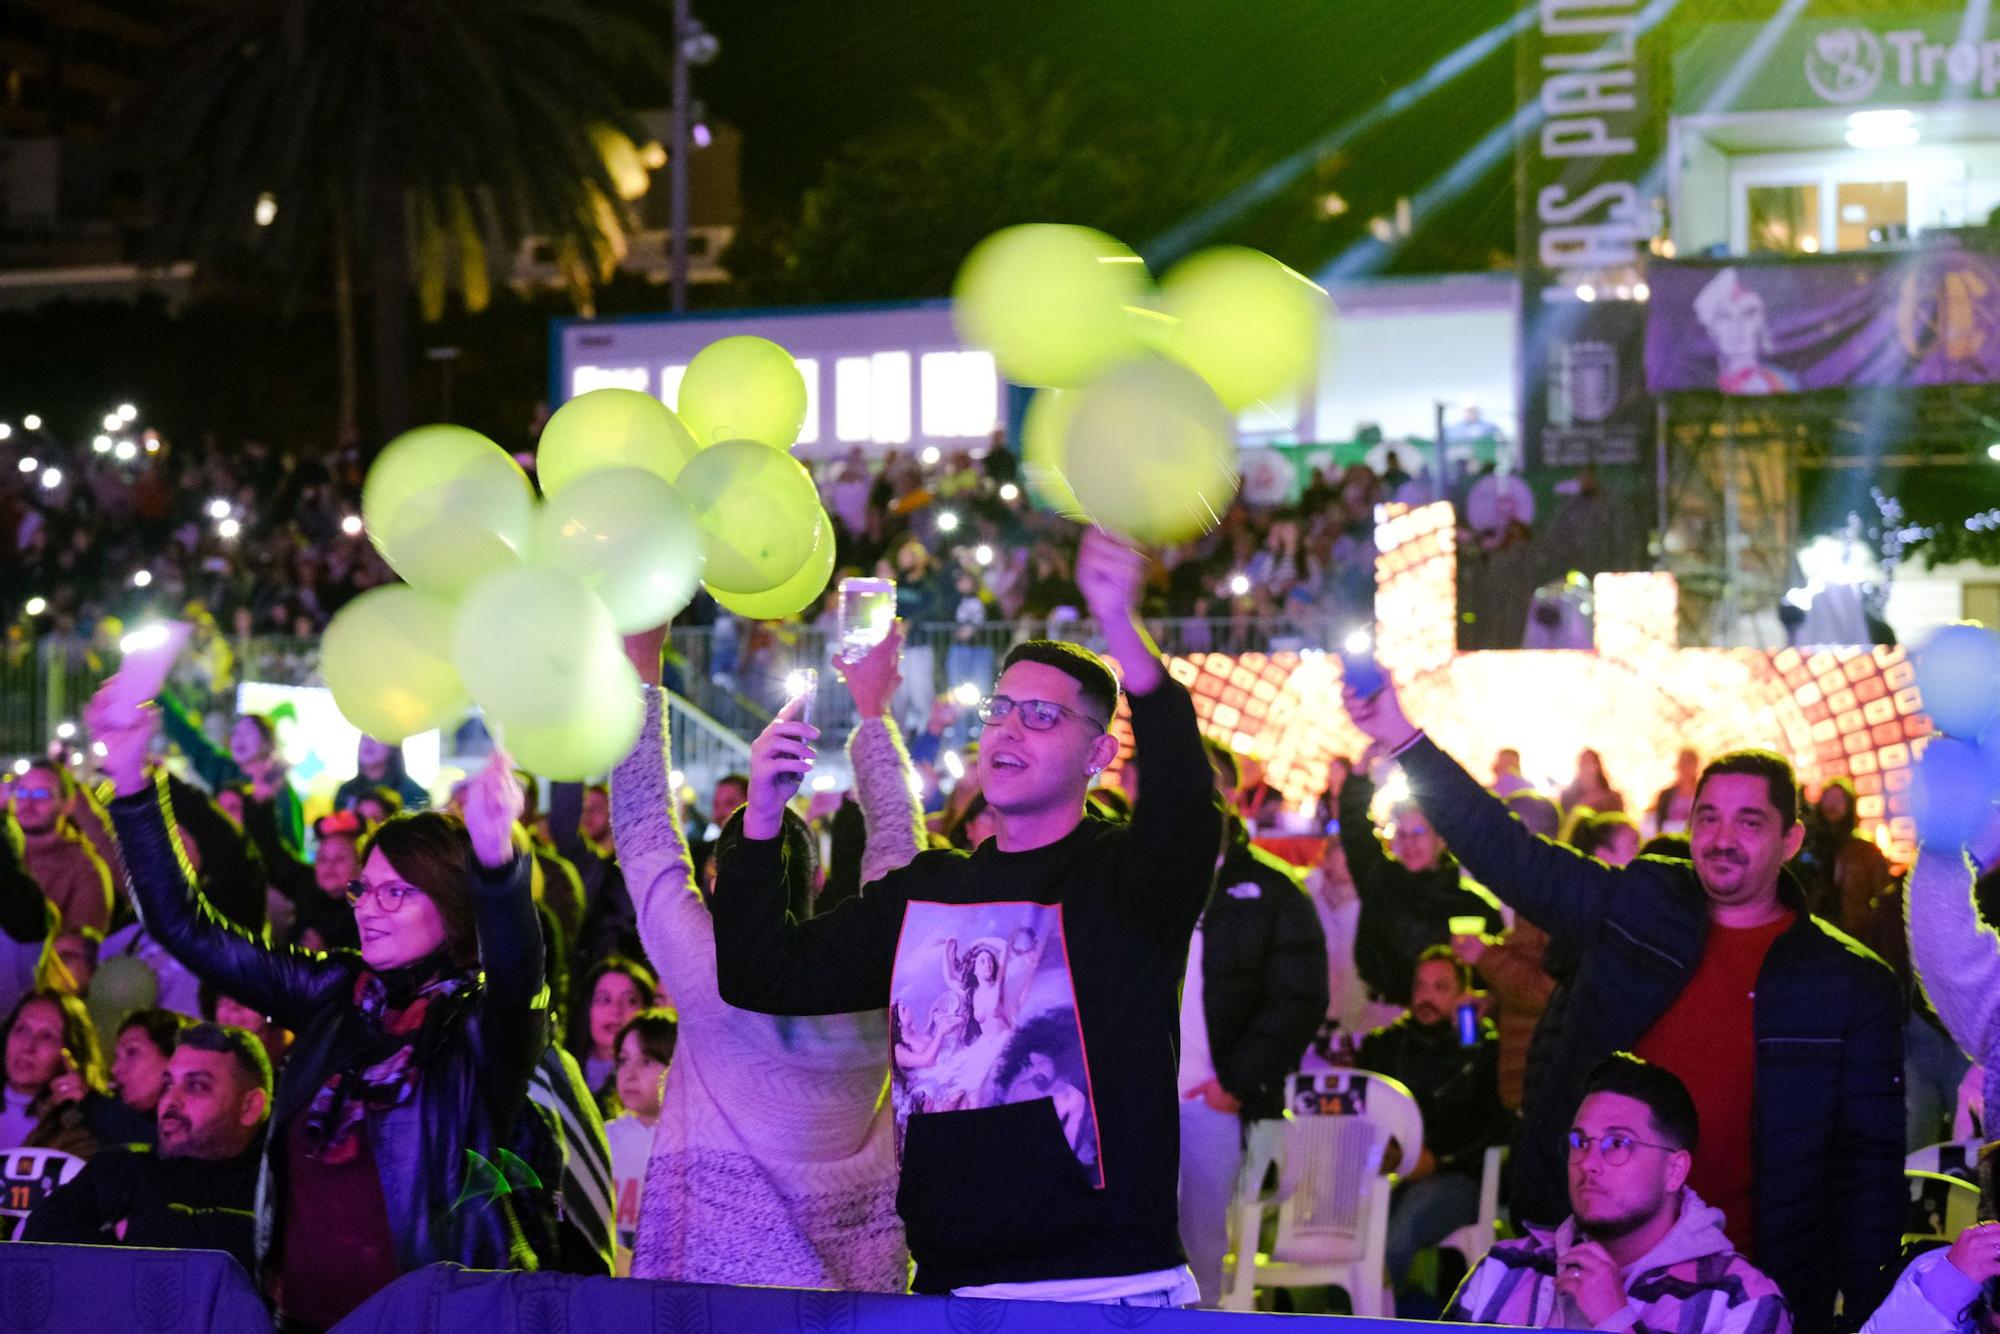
(1955,954)
(773,1162)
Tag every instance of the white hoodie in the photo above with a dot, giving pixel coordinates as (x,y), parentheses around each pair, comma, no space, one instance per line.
(1927,1299)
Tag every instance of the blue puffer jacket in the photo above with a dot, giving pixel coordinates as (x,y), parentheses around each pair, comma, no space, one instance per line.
(1829,1096)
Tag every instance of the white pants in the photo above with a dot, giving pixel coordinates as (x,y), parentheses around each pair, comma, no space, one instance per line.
(1211,1160)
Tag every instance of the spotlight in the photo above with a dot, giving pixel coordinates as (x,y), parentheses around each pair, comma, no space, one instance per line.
(126,451)
(1358,642)
(112,421)
(101,445)
(351,525)
(127,412)
(51,478)
(142,579)
(965,694)
(30,463)
(1585,292)
(218,509)
(228,528)
(947,522)
(145,637)
(32,422)
(36,606)
(21,768)
(5,430)
(1009,492)
(982,554)
(1239,584)
(64,731)
(931,455)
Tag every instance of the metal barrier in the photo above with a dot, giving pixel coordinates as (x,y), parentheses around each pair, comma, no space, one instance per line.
(732,675)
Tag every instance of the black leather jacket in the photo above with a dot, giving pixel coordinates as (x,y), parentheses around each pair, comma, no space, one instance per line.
(468,1099)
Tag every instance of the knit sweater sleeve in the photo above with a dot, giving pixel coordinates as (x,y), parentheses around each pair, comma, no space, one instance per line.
(1957,956)
(673,923)
(894,820)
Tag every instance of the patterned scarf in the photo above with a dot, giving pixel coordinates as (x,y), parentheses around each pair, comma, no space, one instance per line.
(388,1065)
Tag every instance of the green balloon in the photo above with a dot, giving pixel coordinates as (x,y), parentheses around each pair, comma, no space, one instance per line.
(387,658)
(525,639)
(1246,323)
(759,514)
(1043,432)
(122,984)
(448,506)
(602,721)
(414,462)
(629,537)
(744,388)
(797,593)
(1151,452)
(1055,304)
(611,428)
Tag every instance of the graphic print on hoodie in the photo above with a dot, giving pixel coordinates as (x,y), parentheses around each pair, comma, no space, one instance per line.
(983,1014)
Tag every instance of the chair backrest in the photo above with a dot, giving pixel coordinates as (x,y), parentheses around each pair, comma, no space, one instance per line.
(1958,1158)
(1940,1206)
(27,1177)
(1338,1127)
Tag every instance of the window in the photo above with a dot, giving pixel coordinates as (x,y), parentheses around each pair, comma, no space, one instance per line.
(809,368)
(1784,219)
(960,394)
(670,385)
(872,398)
(1869,212)
(586,378)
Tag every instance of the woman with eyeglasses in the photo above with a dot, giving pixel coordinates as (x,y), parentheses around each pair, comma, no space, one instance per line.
(789,1112)
(413,1054)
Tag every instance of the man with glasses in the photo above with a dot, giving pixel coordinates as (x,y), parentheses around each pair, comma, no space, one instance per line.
(55,852)
(1639,1250)
(1033,984)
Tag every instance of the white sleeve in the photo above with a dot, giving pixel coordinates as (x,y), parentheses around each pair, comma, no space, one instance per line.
(674,925)
(1957,956)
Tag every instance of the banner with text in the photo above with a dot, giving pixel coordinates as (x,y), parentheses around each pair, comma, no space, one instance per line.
(1910,318)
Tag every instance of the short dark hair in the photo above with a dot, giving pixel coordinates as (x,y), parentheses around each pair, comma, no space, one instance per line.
(657,1029)
(1594,832)
(740,780)
(1667,845)
(1443,954)
(161,1027)
(1223,760)
(252,1061)
(1091,673)
(1666,1098)
(1773,768)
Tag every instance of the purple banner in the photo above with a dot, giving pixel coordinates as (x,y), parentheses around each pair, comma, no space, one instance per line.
(1921,317)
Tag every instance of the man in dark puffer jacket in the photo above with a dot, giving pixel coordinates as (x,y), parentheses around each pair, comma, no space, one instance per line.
(1787,1030)
(1254,996)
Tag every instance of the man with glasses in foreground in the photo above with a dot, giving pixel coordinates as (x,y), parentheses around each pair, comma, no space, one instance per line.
(1033,984)
(1639,1250)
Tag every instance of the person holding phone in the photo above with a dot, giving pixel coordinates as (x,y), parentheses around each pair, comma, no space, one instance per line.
(789,1111)
(1040,1138)
(413,1053)
(1449,1058)
(53,1066)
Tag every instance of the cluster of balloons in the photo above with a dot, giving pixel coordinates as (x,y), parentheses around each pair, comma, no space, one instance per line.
(517,602)
(1958,775)
(1133,427)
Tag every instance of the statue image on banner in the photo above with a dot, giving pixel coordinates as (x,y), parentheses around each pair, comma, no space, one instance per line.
(1735,319)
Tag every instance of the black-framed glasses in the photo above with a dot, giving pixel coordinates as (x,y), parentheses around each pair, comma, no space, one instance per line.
(388,897)
(1615,1145)
(1037,715)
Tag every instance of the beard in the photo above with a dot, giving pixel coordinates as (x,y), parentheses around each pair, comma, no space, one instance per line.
(1615,1227)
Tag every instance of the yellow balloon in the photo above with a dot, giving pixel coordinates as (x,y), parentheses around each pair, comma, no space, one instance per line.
(1246,323)
(387,658)
(525,640)
(1043,431)
(414,462)
(611,428)
(452,533)
(744,388)
(1055,304)
(759,514)
(795,595)
(1151,452)
(630,537)
(603,722)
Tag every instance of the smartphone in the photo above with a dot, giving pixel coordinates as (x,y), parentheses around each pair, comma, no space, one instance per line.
(149,656)
(806,680)
(1363,673)
(1468,1024)
(867,609)
(1466,926)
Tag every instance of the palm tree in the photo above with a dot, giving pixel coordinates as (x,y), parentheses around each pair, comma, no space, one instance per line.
(404,140)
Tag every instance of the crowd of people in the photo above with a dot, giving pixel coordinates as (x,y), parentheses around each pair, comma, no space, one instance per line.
(260,546)
(595,1030)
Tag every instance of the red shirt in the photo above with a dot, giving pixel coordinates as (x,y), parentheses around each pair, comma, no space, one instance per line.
(1708,1037)
(338,1248)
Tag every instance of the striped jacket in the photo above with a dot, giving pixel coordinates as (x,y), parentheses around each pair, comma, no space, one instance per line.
(1691,1283)
(585,1198)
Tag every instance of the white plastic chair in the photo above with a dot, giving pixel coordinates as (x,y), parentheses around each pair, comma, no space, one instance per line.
(27,1177)
(1476,1238)
(1332,1198)
(1957,1158)
(1954,1202)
